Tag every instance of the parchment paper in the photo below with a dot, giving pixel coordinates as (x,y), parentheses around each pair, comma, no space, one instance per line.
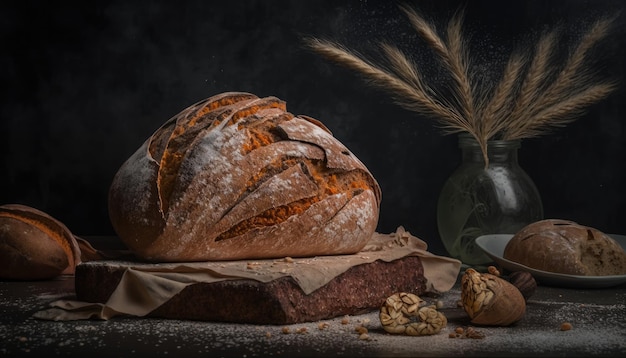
(145,287)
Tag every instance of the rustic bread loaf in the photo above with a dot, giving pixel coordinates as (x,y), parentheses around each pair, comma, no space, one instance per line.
(358,290)
(34,245)
(235,176)
(563,246)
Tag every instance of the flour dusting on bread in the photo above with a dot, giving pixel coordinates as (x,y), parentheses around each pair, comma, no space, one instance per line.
(238,177)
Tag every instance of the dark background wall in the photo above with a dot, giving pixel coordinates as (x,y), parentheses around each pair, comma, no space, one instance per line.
(85,84)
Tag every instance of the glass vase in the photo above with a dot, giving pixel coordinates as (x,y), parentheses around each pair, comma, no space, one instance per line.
(478,200)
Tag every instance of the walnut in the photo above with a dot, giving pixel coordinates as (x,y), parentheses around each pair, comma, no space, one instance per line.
(491,300)
(406,313)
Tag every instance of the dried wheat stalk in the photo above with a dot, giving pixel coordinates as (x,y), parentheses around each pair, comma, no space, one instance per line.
(532,96)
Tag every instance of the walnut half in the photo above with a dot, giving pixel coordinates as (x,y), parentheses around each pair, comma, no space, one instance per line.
(406,313)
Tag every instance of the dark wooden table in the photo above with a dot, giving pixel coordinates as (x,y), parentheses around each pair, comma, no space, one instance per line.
(598,318)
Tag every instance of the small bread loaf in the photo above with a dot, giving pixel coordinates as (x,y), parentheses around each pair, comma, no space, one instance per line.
(563,246)
(34,245)
(236,176)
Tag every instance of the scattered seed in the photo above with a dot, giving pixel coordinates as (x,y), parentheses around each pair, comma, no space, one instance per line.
(322,325)
(364,337)
(468,332)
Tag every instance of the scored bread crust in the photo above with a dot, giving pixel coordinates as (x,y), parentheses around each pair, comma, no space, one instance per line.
(34,245)
(236,176)
(566,247)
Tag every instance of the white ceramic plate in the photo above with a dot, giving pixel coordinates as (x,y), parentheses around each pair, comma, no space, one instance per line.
(493,246)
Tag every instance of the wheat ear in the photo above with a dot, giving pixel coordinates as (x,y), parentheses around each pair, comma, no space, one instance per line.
(513,110)
(495,114)
(562,113)
(453,55)
(455,58)
(535,79)
(405,93)
(406,71)
(570,82)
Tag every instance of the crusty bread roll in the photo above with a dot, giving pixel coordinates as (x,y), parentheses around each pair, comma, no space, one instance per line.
(34,245)
(563,246)
(235,176)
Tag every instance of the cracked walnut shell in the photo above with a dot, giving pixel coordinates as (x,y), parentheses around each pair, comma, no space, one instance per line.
(405,313)
(490,300)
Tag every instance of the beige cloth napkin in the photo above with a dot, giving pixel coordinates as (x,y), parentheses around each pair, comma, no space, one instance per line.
(145,287)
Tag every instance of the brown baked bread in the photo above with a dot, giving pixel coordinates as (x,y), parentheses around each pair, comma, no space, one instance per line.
(563,246)
(235,176)
(34,245)
(358,290)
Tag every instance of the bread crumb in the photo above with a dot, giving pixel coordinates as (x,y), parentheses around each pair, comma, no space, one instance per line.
(468,332)
(364,337)
(252,265)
